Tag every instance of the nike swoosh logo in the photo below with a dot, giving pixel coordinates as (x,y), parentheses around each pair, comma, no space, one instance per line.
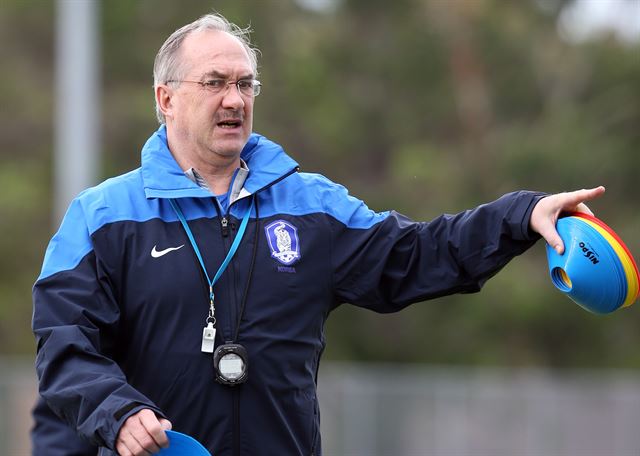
(158,253)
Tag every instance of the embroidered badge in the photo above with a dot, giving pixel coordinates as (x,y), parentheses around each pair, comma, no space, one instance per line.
(283,241)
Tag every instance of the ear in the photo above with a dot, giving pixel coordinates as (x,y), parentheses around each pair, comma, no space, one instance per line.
(163,95)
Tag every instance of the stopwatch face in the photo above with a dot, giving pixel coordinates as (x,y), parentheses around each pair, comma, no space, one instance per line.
(231,366)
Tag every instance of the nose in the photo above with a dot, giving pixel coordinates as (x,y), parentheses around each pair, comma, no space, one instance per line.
(232,98)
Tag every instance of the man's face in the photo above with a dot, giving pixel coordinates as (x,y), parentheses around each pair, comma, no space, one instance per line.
(207,122)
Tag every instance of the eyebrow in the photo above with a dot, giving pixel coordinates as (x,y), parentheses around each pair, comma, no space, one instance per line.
(217,74)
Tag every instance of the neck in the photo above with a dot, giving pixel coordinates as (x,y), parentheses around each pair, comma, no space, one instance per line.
(218,178)
(217,170)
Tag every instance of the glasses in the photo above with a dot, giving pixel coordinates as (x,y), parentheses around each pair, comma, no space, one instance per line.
(246,87)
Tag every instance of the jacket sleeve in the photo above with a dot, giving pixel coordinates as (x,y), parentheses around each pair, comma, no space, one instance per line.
(392,261)
(50,436)
(75,321)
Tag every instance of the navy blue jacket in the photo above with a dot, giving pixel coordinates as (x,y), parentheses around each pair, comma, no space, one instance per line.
(118,329)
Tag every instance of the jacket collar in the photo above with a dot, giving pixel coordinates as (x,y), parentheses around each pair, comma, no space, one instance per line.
(163,178)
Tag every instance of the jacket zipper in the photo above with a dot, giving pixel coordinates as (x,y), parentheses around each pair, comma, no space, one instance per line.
(235,412)
(284,176)
(235,397)
(225,227)
(224,223)
(224,232)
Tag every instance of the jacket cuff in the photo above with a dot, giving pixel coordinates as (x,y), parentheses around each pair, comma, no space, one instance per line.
(521,216)
(124,413)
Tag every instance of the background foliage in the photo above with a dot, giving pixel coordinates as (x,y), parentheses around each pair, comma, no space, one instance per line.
(424,106)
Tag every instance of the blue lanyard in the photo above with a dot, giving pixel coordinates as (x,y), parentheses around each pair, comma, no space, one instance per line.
(232,250)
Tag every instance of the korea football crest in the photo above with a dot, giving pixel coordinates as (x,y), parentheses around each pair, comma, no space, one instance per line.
(283,241)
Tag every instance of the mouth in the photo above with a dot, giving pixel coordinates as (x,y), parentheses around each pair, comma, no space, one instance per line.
(230,124)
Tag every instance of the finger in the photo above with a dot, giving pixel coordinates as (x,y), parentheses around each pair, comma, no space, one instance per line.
(126,444)
(166,426)
(130,445)
(136,435)
(582,208)
(573,199)
(122,449)
(153,436)
(141,445)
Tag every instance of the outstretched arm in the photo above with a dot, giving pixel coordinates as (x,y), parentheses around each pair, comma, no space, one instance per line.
(545,214)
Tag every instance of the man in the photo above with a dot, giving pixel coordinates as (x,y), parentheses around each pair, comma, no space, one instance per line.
(192,292)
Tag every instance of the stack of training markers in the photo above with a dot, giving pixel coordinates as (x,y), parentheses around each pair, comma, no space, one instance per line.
(596,270)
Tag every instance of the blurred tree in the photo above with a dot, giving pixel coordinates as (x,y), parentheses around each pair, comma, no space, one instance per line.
(423,106)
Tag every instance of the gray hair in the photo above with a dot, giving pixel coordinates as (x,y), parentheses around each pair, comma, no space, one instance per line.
(168,65)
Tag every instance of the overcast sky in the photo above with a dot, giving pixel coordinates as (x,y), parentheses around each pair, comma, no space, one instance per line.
(587,19)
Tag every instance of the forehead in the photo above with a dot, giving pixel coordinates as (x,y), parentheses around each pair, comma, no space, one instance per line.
(207,50)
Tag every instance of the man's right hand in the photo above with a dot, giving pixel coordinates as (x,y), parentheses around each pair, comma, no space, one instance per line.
(142,434)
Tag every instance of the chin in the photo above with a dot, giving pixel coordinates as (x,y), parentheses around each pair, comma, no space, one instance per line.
(229,145)
(229,148)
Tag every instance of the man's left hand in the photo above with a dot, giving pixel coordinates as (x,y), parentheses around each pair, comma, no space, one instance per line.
(545,214)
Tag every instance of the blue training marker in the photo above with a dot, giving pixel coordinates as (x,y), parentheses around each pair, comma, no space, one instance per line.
(183,445)
(589,271)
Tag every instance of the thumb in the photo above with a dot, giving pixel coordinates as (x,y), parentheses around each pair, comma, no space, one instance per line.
(552,238)
(166,424)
